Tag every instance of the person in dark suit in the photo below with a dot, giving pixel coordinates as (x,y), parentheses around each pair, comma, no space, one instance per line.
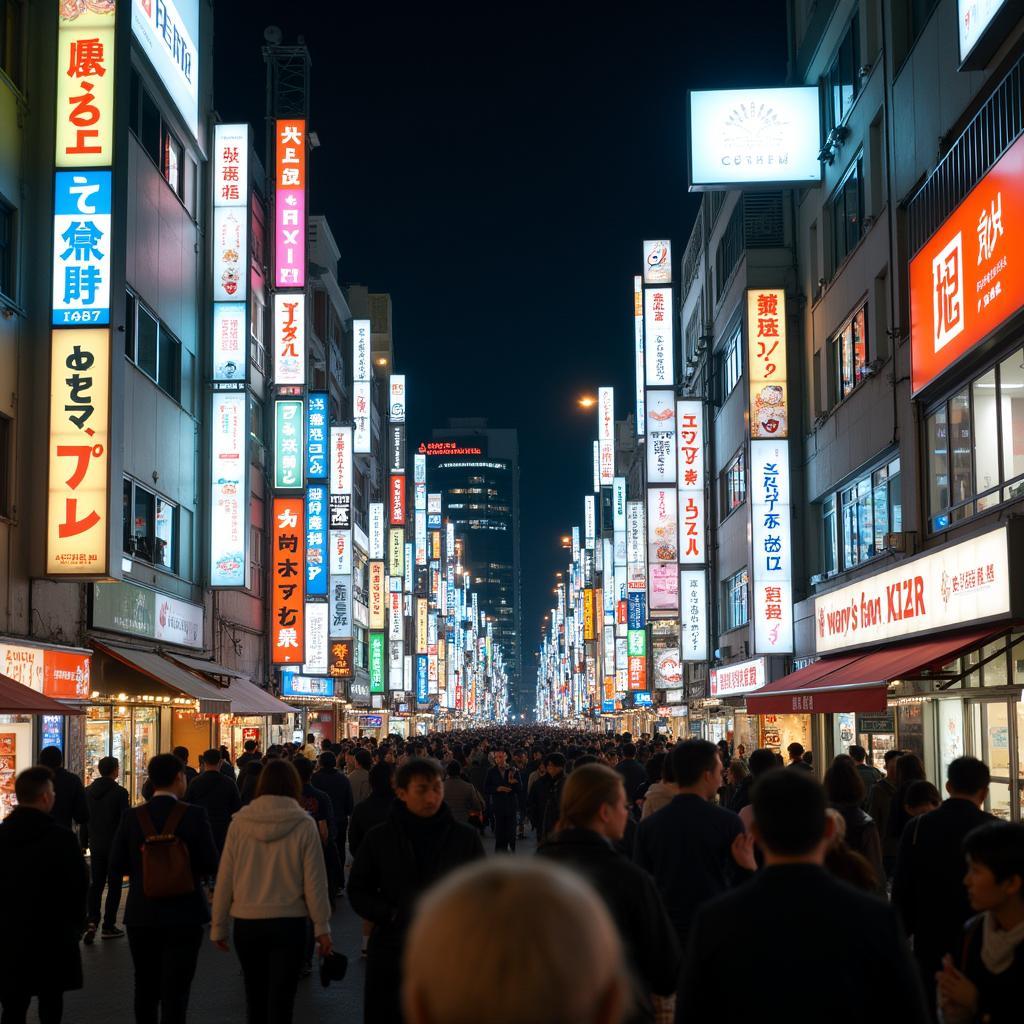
(69,807)
(43,883)
(927,885)
(843,975)
(215,792)
(107,801)
(164,935)
(633,773)
(501,789)
(181,753)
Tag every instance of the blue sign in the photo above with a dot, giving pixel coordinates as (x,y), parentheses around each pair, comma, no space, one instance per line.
(52,734)
(316,541)
(642,699)
(294,685)
(81,248)
(434,521)
(637,609)
(422,686)
(316,436)
(607,707)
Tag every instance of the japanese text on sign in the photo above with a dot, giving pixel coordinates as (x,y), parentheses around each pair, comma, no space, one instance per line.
(766,353)
(287,597)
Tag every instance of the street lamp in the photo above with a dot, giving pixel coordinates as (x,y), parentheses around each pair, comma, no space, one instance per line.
(586,401)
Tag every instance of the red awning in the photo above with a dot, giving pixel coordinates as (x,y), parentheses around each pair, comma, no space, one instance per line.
(17,699)
(844,682)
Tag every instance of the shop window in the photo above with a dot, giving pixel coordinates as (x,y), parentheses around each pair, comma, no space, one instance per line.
(7,275)
(735,612)
(171,160)
(150,526)
(734,483)
(11,41)
(730,364)
(842,80)
(868,509)
(847,210)
(850,354)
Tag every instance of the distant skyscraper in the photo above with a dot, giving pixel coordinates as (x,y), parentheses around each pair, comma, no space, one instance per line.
(476,469)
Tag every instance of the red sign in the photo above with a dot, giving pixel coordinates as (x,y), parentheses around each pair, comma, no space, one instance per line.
(622,612)
(287,575)
(66,675)
(969,277)
(447,448)
(637,673)
(398,500)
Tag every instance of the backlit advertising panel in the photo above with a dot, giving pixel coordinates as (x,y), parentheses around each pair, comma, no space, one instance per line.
(606,433)
(658,347)
(316,542)
(396,399)
(229,531)
(968,278)
(81,248)
(288,443)
(316,435)
(290,203)
(421,537)
(738,678)
(231,165)
(638,353)
(658,262)
(230,238)
(230,337)
(362,435)
(661,436)
(339,552)
(341,663)
(341,460)
(766,362)
(772,583)
(693,613)
(361,351)
(662,537)
(166,31)
(589,533)
(396,552)
(377,586)
(375,657)
(289,338)
(316,639)
(287,627)
(340,603)
(376,516)
(636,537)
(692,516)
(397,504)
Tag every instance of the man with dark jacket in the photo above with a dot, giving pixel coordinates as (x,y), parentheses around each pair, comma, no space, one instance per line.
(397,861)
(181,753)
(69,807)
(693,847)
(43,883)
(164,935)
(338,788)
(107,801)
(880,808)
(501,788)
(215,792)
(546,795)
(869,775)
(251,753)
(633,773)
(927,887)
(841,976)
(359,762)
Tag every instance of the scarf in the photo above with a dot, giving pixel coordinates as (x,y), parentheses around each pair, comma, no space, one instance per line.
(998,946)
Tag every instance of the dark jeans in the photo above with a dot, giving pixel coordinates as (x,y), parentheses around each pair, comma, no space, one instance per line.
(51,1007)
(99,861)
(504,829)
(270,951)
(165,964)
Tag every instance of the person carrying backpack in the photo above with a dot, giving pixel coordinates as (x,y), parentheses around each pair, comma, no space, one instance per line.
(166,848)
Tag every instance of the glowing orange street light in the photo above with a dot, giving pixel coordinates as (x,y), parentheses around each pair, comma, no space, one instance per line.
(586,401)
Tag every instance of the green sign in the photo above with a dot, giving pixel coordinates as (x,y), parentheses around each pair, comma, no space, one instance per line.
(376,663)
(636,640)
(288,444)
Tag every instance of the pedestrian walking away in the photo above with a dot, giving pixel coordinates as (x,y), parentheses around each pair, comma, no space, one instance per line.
(106,801)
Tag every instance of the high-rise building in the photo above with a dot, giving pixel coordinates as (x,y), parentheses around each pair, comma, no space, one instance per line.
(476,469)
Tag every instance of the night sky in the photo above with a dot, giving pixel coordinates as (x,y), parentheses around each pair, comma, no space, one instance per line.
(497,173)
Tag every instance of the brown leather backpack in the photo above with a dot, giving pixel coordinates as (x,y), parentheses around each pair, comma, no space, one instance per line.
(166,864)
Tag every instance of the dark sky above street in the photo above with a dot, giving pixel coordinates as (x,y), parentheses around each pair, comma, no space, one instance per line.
(496,172)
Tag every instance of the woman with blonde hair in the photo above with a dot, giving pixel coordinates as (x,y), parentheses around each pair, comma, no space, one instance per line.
(540,943)
(593,817)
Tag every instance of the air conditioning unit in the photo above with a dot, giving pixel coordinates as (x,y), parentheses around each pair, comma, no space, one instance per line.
(902,542)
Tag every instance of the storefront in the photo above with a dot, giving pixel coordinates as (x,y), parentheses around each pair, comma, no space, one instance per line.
(317,706)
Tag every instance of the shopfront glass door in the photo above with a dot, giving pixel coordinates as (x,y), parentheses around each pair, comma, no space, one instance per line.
(995,739)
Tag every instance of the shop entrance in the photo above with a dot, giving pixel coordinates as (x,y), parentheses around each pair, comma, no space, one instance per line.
(996,736)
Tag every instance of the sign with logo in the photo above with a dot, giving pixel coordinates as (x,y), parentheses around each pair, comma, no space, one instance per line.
(287,597)
(340,595)
(968,278)
(289,338)
(396,392)
(447,448)
(743,137)
(166,31)
(290,204)
(955,586)
(668,669)
(659,345)
(742,677)
(658,262)
(229,534)
(60,674)
(340,661)
(661,436)
(397,515)
(376,662)
(81,247)
(766,361)
(316,543)
(340,511)
(295,685)
(288,441)
(772,547)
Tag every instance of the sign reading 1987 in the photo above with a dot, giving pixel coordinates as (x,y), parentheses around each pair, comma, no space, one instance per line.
(81,248)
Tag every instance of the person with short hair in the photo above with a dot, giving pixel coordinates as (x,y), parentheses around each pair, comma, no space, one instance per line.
(182,754)
(796,756)
(359,774)
(868,773)
(844,974)
(546,795)
(251,753)
(418,844)
(880,808)
(632,772)
(661,789)
(43,886)
(569,965)
(921,798)
(984,979)
(501,787)
(329,780)
(461,796)
(70,807)
(215,792)
(107,801)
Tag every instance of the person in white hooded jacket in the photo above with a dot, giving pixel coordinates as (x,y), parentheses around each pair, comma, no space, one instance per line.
(270,880)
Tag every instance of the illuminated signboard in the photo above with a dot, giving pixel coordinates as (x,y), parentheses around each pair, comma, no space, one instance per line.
(658,262)
(85,85)
(766,362)
(772,547)
(290,204)
(436,448)
(636,536)
(589,633)
(361,351)
(396,552)
(316,542)
(420,523)
(746,137)
(316,639)
(230,238)
(422,680)
(396,402)
(395,623)
(968,278)
(606,433)
(230,335)
(289,338)
(376,662)
(167,31)
(229,447)
(597,467)
(376,549)
(588,521)
(690,446)
(341,460)
(661,437)
(419,468)
(231,165)
(397,505)
(693,605)
(340,552)
(316,435)
(396,665)
(295,685)
(662,539)
(361,408)
(287,628)
(77,506)
(288,441)
(983,27)
(61,674)
(340,603)
(340,662)
(638,353)
(81,248)
(742,677)
(376,584)
(658,348)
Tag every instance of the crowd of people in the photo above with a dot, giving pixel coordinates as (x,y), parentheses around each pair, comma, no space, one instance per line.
(862,893)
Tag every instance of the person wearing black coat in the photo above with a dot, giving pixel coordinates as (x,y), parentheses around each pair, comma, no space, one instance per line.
(336,785)
(107,801)
(215,792)
(419,843)
(633,773)
(501,789)
(70,807)
(374,809)
(43,885)
(164,935)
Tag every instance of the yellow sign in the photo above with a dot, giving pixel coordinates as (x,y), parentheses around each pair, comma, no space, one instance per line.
(421,625)
(396,552)
(588,614)
(377,596)
(77,519)
(766,351)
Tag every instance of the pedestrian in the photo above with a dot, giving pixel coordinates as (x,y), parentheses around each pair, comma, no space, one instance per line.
(461,796)
(419,843)
(166,907)
(70,807)
(927,887)
(869,775)
(502,788)
(568,961)
(339,790)
(694,849)
(735,774)
(880,807)
(661,789)
(921,798)
(43,885)
(107,801)
(216,793)
(845,864)
(271,880)
(984,979)
(796,757)
(251,753)
(761,760)
(522,766)
(845,790)
(845,974)
(182,754)
(226,767)
(632,772)
(594,815)
(723,755)
(546,795)
(359,774)
(909,769)
(308,749)
(372,811)
(247,780)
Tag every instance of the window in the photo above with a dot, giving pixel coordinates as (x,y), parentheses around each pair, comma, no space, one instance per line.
(171,160)
(11,13)
(256,561)
(734,483)
(850,354)
(976,445)
(830,537)
(847,210)
(868,509)
(842,80)
(151,527)
(7,278)
(157,352)
(735,611)
(257,351)
(157,139)
(730,364)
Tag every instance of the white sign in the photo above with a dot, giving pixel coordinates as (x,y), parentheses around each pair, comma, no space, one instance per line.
(341,460)
(420,518)
(689,444)
(754,136)
(361,341)
(340,594)
(230,270)
(743,677)
(178,622)
(317,617)
(659,349)
(693,615)
(597,467)
(419,469)
(361,417)
(289,338)
(636,535)
(589,521)
(958,585)
(166,35)
(230,335)
(396,404)
(340,544)
(638,352)
(231,165)
(974,17)
(229,445)
(606,433)
(661,437)
(771,547)
(662,537)
(619,504)
(658,262)
(396,665)
(396,624)
(377,518)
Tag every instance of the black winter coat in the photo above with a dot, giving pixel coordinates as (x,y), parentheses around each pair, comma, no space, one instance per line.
(634,775)
(367,814)
(219,795)
(43,885)
(339,789)
(70,804)
(107,801)
(634,903)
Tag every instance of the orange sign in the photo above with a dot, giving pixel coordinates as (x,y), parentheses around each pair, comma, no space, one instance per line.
(287,576)
(291,154)
(67,675)
(969,277)
(766,348)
